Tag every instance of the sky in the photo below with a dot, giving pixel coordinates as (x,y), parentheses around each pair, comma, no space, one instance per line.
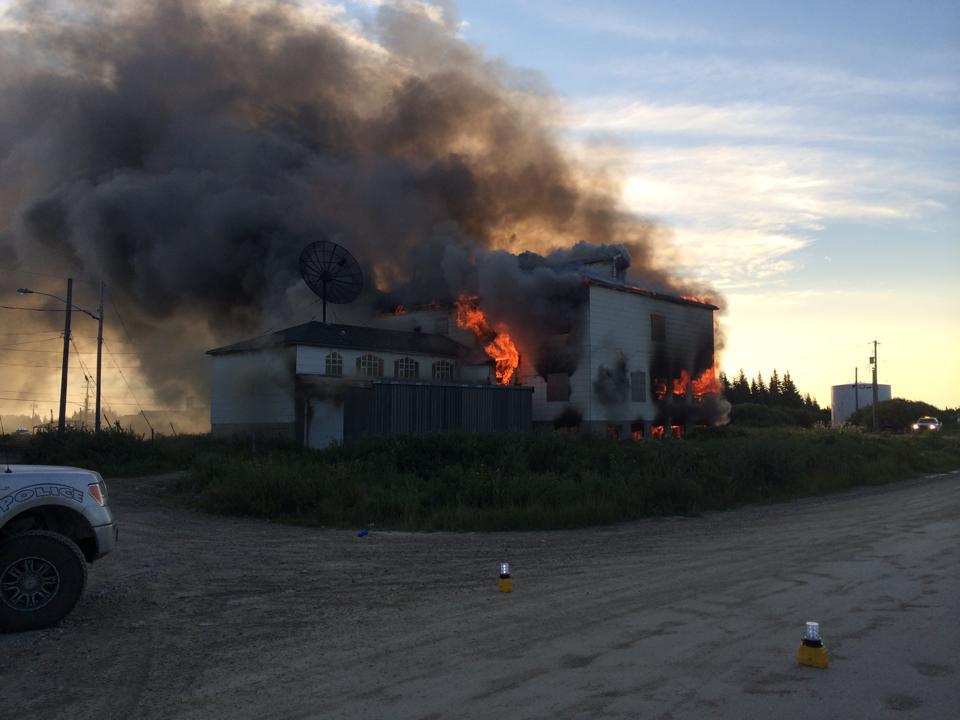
(806,157)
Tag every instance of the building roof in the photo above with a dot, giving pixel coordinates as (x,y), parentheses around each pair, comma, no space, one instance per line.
(594,278)
(354,337)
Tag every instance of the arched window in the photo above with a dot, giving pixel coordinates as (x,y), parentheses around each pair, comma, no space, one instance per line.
(406,368)
(369,366)
(333,364)
(443,370)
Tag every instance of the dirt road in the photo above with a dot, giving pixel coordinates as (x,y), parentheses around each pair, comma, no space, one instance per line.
(207,617)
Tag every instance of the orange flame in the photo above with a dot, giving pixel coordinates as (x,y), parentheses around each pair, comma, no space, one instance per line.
(680,384)
(659,389)
(657,432)
(707,383)
(497,345)
(399,310)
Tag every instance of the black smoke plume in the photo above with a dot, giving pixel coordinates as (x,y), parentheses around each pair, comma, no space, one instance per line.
(185,151)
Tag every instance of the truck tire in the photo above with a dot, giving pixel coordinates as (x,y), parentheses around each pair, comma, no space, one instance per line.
(42,576)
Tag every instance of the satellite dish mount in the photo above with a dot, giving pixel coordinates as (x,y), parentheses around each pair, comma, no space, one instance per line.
(331,272)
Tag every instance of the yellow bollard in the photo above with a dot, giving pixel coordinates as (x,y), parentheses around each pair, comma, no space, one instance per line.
(812,651)
(506,582)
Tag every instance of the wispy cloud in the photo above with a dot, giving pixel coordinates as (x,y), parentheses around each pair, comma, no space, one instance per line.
(788,124)
(741,213)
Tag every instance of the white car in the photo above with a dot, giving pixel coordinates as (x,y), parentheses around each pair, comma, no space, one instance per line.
(926,423)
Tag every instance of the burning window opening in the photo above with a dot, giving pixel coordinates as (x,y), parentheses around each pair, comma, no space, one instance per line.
(613,432)
(657,432)
(680,384)
(677,431)
(496,343)
(659,389)
(636,432)
(707,384)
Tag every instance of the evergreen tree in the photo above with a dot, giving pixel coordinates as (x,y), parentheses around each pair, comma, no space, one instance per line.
(789,393)
(759,392)
(774,389)
(739,391)
(724,384)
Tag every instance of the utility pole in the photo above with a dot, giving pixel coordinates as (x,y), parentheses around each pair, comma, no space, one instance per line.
(96,421)
(873,361)
(62,424)
(86,398)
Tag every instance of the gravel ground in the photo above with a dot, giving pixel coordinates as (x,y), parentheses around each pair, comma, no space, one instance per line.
(206,617)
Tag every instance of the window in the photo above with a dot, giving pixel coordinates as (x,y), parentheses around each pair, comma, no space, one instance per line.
(613,432)
(638,386)
(658,328)
(558,387)
(369,366)
(333,365)
(406,368)
(636,431)
(443,370)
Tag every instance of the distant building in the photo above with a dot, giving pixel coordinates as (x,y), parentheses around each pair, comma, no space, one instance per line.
(845,400)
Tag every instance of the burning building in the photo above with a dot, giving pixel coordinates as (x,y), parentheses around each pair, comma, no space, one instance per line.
(605,357)
(320,384)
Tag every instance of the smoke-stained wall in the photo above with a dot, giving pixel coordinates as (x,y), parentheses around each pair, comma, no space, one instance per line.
(185,151)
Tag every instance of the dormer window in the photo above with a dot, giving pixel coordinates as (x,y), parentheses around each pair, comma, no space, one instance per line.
(370,366)
(333,364)
(443,370)
(406,368)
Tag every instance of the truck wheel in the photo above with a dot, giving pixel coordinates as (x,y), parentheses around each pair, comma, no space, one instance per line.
(42,575)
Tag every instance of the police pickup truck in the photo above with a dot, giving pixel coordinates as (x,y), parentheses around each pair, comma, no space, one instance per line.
(53,521)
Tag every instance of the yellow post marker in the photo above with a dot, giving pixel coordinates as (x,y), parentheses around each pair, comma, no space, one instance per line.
(506,582)
(812,651)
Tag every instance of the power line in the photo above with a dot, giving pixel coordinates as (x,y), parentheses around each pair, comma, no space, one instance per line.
(35,332)
(124,377)
(13,307)
(14,345)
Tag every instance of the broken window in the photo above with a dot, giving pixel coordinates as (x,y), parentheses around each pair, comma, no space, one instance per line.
(443,370)
(333,364)
(558,387)
(636,431)
(370,366)
(638,386)
(657,432)
(677,431)
(406,368)
(613,432)
(658,328)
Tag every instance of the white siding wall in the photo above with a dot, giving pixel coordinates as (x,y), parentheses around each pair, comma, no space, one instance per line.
(255,387)
(619,325)
(312,361)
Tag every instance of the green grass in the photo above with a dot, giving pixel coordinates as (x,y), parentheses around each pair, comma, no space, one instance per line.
(113,453)
(550,481)
(487,482)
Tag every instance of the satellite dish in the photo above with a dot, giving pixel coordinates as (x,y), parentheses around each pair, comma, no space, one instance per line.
(331,272)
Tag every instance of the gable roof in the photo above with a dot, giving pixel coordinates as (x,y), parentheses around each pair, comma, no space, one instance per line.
(355,337)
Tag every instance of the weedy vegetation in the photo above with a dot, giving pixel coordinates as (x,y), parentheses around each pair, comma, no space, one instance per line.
(492,482)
